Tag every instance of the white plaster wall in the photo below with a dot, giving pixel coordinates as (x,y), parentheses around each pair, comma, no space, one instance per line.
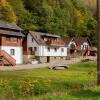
(72,42)
(44,51)
(18,53)
(84,44)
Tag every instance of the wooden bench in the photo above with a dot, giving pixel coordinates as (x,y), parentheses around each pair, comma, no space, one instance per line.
(59,67)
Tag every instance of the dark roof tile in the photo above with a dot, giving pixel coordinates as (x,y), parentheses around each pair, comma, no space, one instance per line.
(9,26)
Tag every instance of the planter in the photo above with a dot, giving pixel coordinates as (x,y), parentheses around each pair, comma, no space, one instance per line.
(34,62)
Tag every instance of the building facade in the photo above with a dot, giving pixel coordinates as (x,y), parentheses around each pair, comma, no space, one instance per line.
(44,47)
(81,44)
(11,42)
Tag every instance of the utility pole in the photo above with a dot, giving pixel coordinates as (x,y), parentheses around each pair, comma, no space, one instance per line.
(98,38)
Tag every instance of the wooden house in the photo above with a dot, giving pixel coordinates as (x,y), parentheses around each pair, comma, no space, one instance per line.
(11,50)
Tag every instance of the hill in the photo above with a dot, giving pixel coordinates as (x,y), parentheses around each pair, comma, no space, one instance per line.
(64,17)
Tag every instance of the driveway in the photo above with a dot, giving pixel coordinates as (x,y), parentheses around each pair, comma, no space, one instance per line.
(42,65)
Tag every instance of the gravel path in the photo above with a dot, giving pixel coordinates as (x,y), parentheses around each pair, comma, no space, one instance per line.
(31,66)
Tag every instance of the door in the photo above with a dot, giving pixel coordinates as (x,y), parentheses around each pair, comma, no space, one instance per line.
(48,59)
(30,50)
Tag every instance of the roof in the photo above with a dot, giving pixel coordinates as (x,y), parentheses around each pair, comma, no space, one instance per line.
(78,40)
(12,26)
(51,35)
(12,33)
(67,40)
(37,37)
(39,40)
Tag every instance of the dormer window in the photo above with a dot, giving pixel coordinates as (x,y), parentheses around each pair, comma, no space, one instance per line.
(7,39)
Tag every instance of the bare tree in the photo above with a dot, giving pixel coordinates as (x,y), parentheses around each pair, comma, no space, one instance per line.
(98,36)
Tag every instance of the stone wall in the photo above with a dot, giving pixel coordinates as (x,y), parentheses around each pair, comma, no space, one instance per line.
(43,59)
(52,59)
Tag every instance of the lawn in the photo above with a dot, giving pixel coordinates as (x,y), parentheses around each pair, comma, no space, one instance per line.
(76,83)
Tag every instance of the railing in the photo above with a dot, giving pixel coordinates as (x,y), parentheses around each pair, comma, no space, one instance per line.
(55,42)
(8,57)
(1,53)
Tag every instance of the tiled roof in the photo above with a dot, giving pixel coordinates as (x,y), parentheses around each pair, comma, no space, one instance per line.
(78,40)
(9,26)
(37,36)
(12,33)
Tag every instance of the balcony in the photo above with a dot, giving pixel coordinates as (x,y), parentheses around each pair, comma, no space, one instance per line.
(55,43)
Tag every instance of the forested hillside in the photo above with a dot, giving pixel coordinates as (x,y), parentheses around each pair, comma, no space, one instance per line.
(65,17)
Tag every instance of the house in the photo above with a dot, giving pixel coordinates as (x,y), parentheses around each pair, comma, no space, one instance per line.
(79,44)
(44,47)
(11,50)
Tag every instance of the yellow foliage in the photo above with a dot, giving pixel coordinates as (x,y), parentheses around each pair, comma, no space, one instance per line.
(78,13)
(9,11)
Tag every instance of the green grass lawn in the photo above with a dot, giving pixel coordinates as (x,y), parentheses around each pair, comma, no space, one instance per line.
(76,83)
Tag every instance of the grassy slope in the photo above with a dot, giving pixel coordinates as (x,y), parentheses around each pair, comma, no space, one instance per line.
(55,85)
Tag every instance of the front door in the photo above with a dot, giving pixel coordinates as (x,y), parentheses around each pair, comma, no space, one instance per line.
(48,59)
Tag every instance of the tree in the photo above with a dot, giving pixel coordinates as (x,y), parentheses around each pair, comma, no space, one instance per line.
(98,35)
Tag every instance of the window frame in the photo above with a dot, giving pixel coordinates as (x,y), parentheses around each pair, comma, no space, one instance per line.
(55,49)
(62,49)
(16,39)
(12,52)
(48,49)
(8,39)
(32,39)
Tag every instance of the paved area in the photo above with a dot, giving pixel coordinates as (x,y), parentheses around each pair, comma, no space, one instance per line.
(32,66)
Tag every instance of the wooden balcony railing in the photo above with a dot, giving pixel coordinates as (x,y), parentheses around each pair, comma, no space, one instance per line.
(59,43)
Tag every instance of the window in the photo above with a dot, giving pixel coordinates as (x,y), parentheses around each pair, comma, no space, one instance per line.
(12,51)
(7,39)
(55,49)
(35,48)
(62,50)
(61,57)
(54,57)
(15,40)
(32,40)
(49,49)
(85,46)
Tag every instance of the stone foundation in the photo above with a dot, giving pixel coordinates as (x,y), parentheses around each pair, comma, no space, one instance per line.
(44,59)
(52,59)
(27,58)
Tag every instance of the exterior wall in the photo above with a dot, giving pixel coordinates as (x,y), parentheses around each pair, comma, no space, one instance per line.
(11,43)
(85,45)
(18,53)
(52,59)
(72,42)
(32,44)
(43,51)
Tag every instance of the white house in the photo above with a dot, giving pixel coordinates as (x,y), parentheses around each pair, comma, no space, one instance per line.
(11,50)
(44,47)
(78,44)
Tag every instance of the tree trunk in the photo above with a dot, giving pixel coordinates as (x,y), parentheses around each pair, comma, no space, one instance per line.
(98,36)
